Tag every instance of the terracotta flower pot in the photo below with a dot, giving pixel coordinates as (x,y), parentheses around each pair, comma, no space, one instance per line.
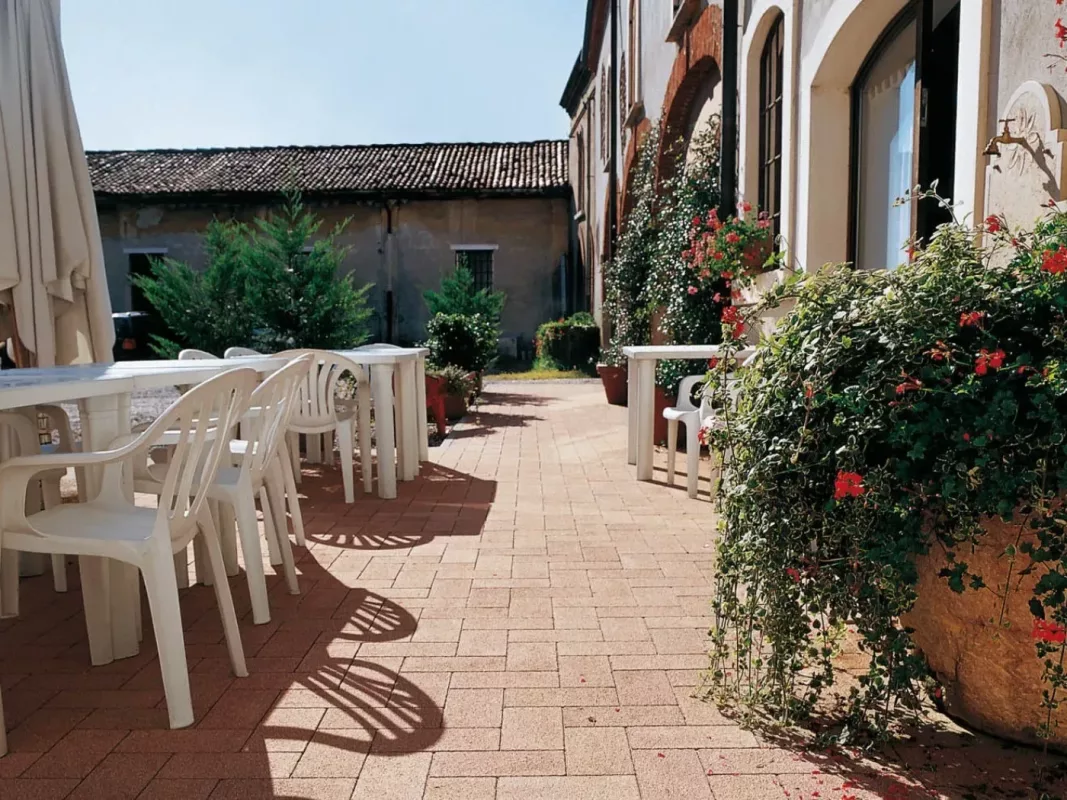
(435,402)
(990,671)
(614,380)
(455,406)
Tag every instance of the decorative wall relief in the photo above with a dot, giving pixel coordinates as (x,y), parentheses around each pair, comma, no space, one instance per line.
(1031,167)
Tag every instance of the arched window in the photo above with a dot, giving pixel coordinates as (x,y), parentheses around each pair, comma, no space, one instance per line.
(771,73)
(883,159)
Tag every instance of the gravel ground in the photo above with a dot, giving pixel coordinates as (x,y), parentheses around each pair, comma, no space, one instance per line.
(144,407)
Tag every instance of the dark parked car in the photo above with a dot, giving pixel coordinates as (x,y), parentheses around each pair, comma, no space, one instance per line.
(133,331)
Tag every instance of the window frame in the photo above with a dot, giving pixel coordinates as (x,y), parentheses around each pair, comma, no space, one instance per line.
(769,167)
(459,250)
(907,15)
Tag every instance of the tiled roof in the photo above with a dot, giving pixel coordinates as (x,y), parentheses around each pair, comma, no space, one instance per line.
(522,168)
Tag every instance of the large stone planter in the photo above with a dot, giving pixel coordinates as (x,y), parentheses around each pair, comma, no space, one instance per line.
(991,672)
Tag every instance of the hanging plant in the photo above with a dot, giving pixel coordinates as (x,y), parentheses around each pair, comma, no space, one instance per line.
(893,421)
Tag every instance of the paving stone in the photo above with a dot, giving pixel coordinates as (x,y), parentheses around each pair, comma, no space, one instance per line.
(532,729)
(597,751)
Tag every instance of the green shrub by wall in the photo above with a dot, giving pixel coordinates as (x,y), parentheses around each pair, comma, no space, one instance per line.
(568,344)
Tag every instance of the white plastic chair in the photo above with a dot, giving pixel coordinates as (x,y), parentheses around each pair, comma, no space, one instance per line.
(688,414)
(694,417)
(192,354)
(111,526)
(317,413)
(41,493)
(240,352)
(254,469)
(292,501)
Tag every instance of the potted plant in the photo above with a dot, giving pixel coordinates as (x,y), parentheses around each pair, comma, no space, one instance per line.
(457,385)
(895,475)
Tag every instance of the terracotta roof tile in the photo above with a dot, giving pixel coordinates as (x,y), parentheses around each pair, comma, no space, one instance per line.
(435,169)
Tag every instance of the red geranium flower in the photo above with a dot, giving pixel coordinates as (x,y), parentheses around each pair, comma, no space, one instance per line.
(746,206)
(693,290)
(1055,263)
(971,319)
(986,360)
(732,238)
(1061,31)
(793,573)
(909,385)
(993,224)
(713,363)
(1048,631)
(848,484)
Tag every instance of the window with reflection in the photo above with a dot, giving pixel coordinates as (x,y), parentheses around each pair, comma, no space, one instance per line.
(771,75)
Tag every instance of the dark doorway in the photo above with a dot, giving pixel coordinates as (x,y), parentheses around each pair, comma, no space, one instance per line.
(937,79)
(140,264)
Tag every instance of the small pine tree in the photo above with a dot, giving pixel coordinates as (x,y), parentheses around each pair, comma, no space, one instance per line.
(458,296)
(300,297)
(206,310)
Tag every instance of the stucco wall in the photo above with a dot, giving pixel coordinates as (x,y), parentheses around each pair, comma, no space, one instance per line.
(531,235)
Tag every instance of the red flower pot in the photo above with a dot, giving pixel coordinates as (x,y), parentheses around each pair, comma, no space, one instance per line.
(435,402)
(614,380)
(455,406)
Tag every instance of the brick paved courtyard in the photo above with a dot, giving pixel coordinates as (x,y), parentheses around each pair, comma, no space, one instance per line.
(525,621)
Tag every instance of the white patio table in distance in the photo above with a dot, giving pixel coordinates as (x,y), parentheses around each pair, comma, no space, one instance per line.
(102,392)
(641,394)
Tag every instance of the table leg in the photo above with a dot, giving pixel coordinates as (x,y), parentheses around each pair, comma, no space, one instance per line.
(400,388)
(646,407)
(408,425)
(110,589)
(631,411)
(422,433)
(382,387)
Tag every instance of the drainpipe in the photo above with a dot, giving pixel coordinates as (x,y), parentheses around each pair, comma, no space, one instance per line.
(613,115)
(728,157)
(794,136)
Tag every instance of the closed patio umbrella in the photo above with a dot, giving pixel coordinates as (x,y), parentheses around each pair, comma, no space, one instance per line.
(53,288)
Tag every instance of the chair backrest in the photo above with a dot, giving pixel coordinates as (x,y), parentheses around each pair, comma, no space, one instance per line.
(197,430)
(192,354)
(274,402)
(315,409)
(22,430)
(240,352)
(685,393)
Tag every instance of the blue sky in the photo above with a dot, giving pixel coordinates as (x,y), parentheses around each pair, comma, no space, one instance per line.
(202,73)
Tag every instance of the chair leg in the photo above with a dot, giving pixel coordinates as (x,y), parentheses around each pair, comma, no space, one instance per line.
(346,445)
(248,530)
(59,572)
(224,598)
(94,580)
(3,730)
(162,593)
(52,499)
(228,539)
(293,441)
(9,583)
(692,457)
(363,432)
(274,555)
(181,567)
(276,500)
(293,500)
(200,565)
(672,449)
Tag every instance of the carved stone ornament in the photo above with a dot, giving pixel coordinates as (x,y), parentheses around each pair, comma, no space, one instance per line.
(1026,175)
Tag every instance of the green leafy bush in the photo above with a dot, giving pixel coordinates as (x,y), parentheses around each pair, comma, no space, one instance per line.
(568,344)
(890,413)
(261,289)
(468,342)
(207,310)
(300,296)
(458,296)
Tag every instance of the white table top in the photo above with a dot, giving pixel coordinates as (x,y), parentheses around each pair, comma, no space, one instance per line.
(25,387)
(678,352)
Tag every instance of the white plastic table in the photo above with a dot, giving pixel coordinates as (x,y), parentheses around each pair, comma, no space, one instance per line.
(641,394)
(102,392)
